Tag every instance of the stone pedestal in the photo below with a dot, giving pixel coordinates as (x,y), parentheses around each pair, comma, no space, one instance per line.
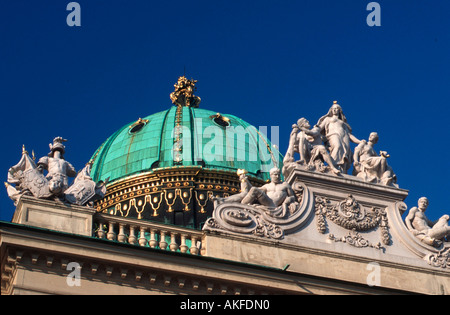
(54,216)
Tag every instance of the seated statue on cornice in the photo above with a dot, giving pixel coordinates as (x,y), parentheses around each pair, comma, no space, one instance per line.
(371,167)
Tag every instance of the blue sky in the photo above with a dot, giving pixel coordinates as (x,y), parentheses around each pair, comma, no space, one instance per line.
(268,62)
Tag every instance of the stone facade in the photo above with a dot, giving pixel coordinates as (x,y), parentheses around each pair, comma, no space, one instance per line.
(167,225)
(327,243)
(323,254)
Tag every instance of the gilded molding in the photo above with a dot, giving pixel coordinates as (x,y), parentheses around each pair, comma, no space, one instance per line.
(161,192)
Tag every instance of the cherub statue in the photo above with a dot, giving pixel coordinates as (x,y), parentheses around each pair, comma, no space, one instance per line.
(430,233)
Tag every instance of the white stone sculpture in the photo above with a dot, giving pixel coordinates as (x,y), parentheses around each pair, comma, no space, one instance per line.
(338,133)
(326,148)
(28,178)
(275,197)
(308,144)
(430,233)
(59,170)
(371,167)
(84,190)
(245,188)
(266,211)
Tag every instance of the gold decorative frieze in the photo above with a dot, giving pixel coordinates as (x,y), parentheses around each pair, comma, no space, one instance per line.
(159,194)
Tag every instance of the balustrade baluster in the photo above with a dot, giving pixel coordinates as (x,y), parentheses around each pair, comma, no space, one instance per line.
(162,243)
(194,249)
(183,247)
(173,242)
(111,234)
(132,239)
(129,231)
(101,233)
(142,239)
(122,237)
(153,242)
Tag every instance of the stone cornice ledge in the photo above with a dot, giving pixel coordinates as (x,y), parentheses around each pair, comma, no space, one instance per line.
(346,183)
(328,253)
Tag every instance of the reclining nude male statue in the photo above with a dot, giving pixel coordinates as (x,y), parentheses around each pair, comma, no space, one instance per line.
(430,233)
(276,198)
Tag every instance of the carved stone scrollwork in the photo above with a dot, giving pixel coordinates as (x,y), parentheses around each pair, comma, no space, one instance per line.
(350,215)
(260,221)
(440,259)
(245,219)
(355,239)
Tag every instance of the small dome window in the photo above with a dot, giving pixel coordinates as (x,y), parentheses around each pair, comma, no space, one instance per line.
(138,125)
(220,120)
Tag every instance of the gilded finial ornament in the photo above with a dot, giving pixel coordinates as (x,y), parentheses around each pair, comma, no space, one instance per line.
(184,93)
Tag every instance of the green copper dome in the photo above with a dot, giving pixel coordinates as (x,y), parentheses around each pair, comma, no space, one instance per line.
(166,167)
(185,136)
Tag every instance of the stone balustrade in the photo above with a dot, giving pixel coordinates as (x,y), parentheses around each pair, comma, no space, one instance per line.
(147,234)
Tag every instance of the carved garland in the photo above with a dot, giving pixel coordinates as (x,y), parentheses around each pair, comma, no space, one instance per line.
(350,215)
(355,239)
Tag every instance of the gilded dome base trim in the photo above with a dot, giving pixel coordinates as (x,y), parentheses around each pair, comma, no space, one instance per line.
(177,195)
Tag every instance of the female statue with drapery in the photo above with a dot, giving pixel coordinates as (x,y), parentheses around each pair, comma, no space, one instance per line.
(338,134)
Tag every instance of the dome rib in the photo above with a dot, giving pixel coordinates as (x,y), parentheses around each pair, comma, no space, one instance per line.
(102,153)
(161,134)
